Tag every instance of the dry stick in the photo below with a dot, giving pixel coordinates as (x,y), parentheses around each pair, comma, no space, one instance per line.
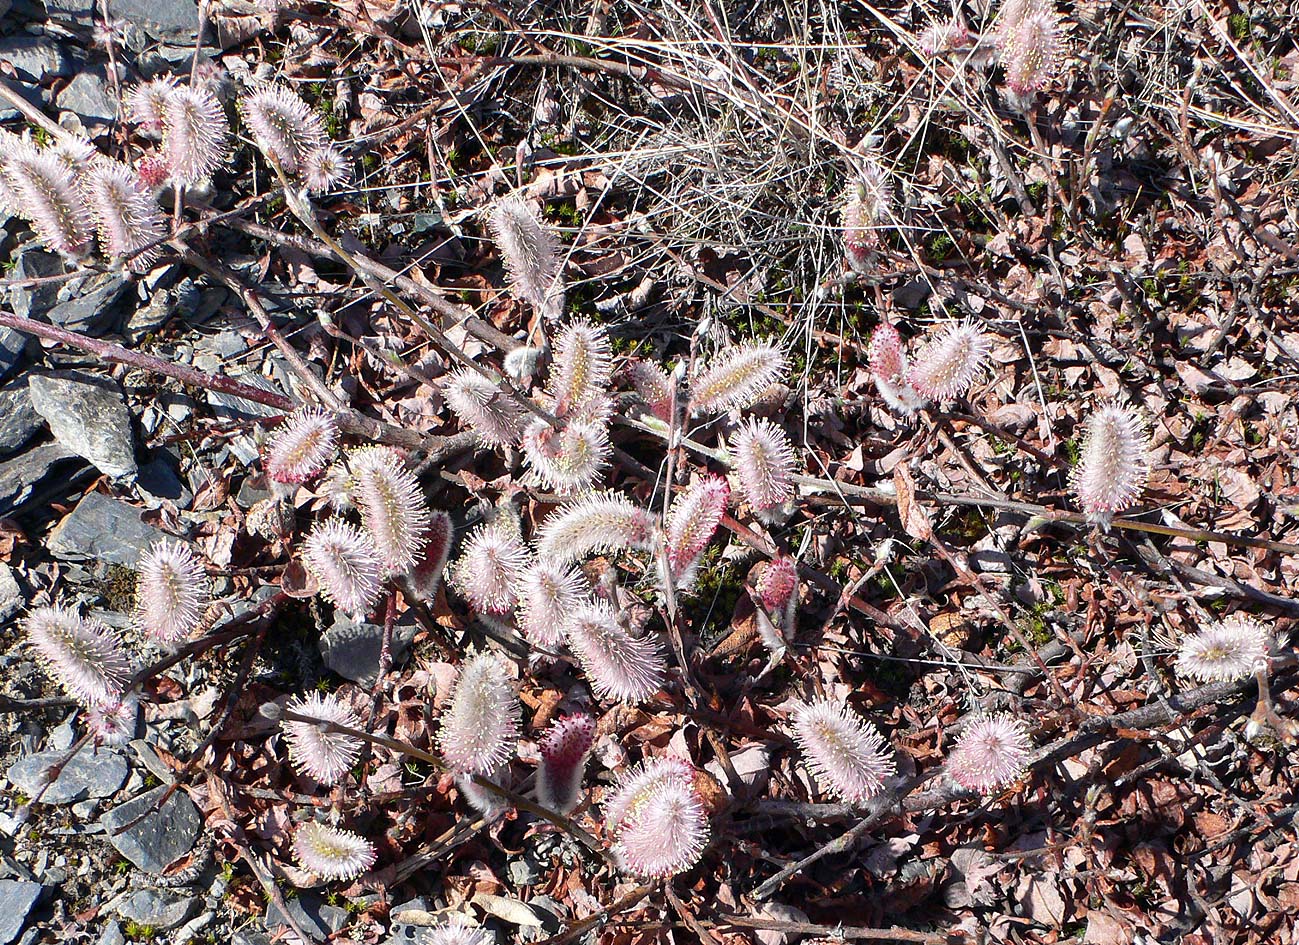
(881,497)
(300,205)
(832,932)
(582,926)
(254,305)
(113,353)
(350,420)
(403,748)
(478,327)
(230,821)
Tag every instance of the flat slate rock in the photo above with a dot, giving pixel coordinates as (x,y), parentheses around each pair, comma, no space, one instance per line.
(20,475)
(11,595)
(161,837)
(165,19)
(87,414)
(87,775)
(16,901)
(313,916)
(19,421)
(87,96)
(12,343)
(156,908)
(104,528)
(35,58)
(351,649)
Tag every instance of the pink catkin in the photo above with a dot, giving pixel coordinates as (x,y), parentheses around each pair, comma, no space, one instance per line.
(564,751)
(693,521)
(657,818)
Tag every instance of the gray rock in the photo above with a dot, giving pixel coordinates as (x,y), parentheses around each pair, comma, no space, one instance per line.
(158,908)
(86,304)
(250,936)
(87,96)
(158,478)
(311,913)
(71,12)
(35,58)
(165,19)
(33,262)
(351,649)
(87,414)
(11,595)
(4,7)
(161,837)
(19,420)
(103,528)
(112,934)
(34,94)
(13,343)
(20,475)
(16,901)
(88,774)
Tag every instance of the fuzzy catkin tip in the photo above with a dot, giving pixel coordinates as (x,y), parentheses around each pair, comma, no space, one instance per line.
(305,442)
(195,134)
(347,564)
(1229,650)
(692,522)
(392,505)
(564,751)
(1114,462)
(530,253)
(657,818)
(490,568)
(763,460)
(568,460)
(480,726)
(548,594)
(172,592)
(332,853)
(314,750)
(992,751)
(84,656)
(845,753)
(285,127)
(619,666)
(596,524)
(581,371)
(485,410)
(953,358)
(736,378)
(127,217)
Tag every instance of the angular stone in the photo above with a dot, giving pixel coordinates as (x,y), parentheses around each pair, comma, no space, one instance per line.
(19,420)
(166,19)
(86,304)
(156,908)
(11,595)
(33,262)
(103,528)
(33,94)
(35,58)
(71,12)
(87,414)
(351,649)
(312,915)
(12,345)
(16,901)
(88,774)
(161,836)
(20,475)
(87,96)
